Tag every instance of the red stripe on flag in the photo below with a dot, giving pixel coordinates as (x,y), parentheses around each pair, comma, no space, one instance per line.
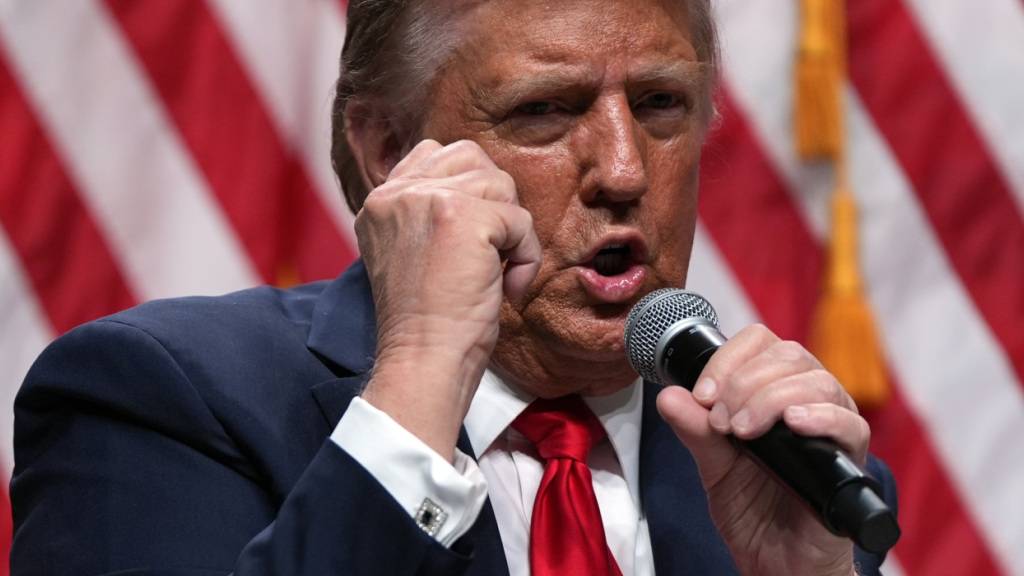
(966,198)
(763,234)
(261,184)
(67,260)
(752,218)
(938,536)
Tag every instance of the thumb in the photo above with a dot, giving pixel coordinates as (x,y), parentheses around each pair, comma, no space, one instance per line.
(714,453)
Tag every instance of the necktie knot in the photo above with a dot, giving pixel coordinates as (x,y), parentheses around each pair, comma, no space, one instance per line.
(566,532)
(560,427)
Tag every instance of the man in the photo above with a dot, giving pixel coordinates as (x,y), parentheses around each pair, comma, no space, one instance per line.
(523,172)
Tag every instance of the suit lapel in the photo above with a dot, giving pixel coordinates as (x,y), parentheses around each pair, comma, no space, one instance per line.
(343,329)
(343,334)
(683,538)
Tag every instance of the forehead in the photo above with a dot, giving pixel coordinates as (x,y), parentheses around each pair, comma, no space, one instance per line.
(516,38)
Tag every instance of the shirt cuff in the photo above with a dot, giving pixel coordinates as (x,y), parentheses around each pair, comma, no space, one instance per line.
(444,499)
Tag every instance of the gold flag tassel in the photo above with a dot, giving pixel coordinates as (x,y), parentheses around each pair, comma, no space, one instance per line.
(843,333)
(819,77)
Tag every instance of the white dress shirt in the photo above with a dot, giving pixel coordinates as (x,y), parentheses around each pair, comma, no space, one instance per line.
(508,471)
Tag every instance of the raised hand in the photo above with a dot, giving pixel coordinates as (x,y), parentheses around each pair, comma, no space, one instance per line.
(444,241)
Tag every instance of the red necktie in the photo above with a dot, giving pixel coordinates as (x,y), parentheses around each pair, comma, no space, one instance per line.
(566,533)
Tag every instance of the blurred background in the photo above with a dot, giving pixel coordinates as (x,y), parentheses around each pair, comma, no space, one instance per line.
(156,148)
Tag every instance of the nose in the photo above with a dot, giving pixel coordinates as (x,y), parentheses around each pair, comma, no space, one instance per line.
(615,165)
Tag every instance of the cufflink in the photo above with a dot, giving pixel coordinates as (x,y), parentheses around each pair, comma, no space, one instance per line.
(430,517)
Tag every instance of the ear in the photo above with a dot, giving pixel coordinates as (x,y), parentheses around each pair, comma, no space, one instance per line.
(374,141)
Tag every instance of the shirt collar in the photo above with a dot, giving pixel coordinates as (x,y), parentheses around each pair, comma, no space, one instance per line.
(496,405)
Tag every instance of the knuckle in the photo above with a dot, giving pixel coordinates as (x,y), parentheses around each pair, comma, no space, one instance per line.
(823,379)
(757,335)
(863,431)
(839,395)
(444,207)
(508,183)
(467,147)
(526,217)
(826,384)
(788,351)
(759,329)
(373,206)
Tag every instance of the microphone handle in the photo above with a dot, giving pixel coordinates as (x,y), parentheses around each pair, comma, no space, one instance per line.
(844,498)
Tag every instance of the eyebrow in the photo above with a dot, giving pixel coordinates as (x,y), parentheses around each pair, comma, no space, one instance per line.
(691,75)
(545,81)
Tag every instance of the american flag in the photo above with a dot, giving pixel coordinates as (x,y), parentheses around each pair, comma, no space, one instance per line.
(155,148)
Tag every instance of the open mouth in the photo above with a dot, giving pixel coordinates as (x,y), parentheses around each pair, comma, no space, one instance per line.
(616,270)
(613,260)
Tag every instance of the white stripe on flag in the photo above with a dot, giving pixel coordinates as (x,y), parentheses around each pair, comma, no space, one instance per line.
(710,276)
(290,51)
(981,47)
(954,373)
(24,332)
(891,566)
(121,151)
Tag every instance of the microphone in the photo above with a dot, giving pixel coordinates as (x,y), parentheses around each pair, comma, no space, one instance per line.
(670,336)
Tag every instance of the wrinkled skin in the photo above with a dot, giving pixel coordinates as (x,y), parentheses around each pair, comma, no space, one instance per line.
(555,127)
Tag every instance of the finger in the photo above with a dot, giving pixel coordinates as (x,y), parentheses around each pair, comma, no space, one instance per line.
(412,160)
(489,184)
(765,406)
(517,242)
(848,429)
(714,453)
(486,184)
(777,361)
(456,158)
(748,343)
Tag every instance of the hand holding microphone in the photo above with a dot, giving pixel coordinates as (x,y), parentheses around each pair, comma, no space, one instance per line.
(761,400)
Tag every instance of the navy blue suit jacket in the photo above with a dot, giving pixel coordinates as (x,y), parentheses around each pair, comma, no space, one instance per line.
(190,437)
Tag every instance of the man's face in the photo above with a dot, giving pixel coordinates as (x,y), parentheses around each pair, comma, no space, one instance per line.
(595,108)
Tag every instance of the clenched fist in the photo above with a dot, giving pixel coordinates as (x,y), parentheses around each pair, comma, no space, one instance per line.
(444,241)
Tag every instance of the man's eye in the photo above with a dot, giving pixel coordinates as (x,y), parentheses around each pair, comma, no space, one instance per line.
(660,101)
(536,109)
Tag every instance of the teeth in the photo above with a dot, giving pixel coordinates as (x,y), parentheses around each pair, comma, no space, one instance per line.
(614,249)
(612,260)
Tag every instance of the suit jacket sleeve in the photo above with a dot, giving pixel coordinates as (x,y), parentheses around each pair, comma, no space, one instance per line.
(122,467)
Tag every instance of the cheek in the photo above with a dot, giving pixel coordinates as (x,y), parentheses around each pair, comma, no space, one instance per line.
(545,182)
(672,209)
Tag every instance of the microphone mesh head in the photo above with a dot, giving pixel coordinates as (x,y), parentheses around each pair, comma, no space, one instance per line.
(652,316)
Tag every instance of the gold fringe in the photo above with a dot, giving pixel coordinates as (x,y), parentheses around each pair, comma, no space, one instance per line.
(843,333)
(819,78)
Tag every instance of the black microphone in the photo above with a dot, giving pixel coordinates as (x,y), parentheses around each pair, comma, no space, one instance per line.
(670,336)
